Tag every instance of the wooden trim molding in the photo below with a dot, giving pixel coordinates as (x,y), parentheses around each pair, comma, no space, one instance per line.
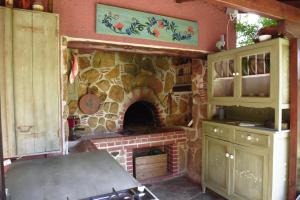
(269,8)
(294,115)
(2,179)
(81,43)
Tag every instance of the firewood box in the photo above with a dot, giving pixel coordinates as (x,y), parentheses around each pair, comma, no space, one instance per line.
(150,166)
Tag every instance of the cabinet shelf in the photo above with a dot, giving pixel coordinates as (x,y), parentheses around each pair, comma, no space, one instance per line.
(256,76)
(182,87)
(224,78)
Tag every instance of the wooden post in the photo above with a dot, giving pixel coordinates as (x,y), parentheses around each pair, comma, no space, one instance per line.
(294,115)
(2,180)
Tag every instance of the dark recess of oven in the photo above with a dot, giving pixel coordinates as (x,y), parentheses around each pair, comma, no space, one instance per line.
(140,116)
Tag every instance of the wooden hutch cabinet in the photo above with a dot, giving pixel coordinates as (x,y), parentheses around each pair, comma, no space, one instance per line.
(245,146)
(30,81)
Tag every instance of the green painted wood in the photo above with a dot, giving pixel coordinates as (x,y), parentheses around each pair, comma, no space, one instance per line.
(23,81)
(258,167)
(216,165)
(249,173)
(36,82)
(259,90)
(117,21)
(6,83)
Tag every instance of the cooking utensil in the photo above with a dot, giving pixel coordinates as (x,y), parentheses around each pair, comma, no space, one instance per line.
(89,103)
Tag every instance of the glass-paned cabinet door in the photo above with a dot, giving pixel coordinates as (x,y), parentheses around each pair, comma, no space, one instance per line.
(223,73)
(255,74)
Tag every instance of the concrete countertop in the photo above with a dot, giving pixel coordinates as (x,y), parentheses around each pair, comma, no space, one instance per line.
(75,176)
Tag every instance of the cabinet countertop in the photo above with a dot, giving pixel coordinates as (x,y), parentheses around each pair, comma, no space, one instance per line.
(254,127)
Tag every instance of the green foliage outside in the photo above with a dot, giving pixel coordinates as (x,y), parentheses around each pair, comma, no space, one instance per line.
(246,31)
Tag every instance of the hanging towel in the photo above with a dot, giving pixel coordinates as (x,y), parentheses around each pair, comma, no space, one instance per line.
(74,68)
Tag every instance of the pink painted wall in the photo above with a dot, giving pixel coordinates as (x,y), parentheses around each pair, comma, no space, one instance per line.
(77,19)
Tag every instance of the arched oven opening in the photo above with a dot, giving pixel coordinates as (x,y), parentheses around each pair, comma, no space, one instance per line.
(140,117)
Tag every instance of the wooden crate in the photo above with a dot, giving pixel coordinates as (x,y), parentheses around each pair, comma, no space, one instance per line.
(151,166)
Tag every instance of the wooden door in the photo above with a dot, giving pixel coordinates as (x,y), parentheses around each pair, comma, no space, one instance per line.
(216,169)
(6,83)
(249,173)
(46,87)
(256,82)
(36,78)
(221,76)
(23,81)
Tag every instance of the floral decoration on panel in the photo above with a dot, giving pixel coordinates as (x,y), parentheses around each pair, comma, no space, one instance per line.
(153,27)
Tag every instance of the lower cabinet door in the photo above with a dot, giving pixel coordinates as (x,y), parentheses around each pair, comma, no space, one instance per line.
(249,175)
(216,172)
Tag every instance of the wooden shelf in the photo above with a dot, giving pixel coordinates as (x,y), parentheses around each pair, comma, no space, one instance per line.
(224,78)
(256,76)
(182,85)
(182,88)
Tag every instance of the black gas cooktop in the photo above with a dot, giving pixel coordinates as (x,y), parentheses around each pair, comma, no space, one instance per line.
(129,194)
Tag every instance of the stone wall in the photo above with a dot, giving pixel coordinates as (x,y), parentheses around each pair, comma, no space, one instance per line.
(199,113)
(120,79)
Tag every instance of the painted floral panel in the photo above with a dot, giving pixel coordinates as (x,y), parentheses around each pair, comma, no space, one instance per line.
(135,24)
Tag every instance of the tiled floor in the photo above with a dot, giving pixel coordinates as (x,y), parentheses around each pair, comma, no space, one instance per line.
(181,188)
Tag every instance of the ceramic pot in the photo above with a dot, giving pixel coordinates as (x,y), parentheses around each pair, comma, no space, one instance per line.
(38,5)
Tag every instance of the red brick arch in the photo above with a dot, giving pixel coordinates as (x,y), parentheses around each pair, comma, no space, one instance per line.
(143,94)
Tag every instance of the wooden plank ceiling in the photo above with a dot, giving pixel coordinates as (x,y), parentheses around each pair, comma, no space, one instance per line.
(294,3)
(281,10)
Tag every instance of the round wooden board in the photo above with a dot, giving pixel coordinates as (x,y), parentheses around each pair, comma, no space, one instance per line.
(89,104)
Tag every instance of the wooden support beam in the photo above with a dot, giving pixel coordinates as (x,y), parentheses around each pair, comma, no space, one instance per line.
(290,29)
(269,8)
(136,49)
(294,115)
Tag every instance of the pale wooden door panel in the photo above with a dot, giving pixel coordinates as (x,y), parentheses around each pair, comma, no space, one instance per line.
(46,81)
(23,81)
(249,173)
(6,83)
(217,164)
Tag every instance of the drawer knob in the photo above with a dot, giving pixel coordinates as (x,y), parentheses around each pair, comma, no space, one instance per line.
(227,155)
(231,156)
(237,73)
(249,137)
(215,130)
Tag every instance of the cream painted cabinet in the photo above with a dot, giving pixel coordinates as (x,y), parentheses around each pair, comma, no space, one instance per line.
(251,74)
(217,164)
(222,75)
(254,76)
(244,163)
(249,172)
(36,82)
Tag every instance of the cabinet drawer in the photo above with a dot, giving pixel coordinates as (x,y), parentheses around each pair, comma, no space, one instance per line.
(219,131)
(255,139)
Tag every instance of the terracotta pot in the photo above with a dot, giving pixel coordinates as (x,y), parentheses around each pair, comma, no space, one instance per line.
(270,30)
(25,4)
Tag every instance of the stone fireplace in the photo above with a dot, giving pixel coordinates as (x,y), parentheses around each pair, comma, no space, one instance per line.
(136,98)
(121,80)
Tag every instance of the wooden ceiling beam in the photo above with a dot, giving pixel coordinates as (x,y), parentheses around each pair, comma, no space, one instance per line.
(92,45)
(269,8)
